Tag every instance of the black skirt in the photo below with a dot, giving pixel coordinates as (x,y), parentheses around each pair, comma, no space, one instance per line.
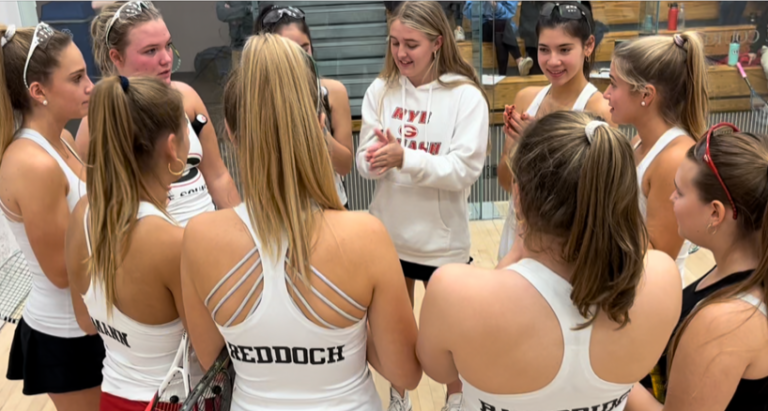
(54,365)
(420,272)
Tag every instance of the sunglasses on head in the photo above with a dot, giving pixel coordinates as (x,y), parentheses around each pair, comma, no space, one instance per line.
(566,11)
(43,33)
(279,12)
(133,9)
(126,11)
(720,129)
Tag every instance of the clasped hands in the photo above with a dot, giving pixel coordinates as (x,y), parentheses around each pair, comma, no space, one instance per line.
(384,154)
(515,123)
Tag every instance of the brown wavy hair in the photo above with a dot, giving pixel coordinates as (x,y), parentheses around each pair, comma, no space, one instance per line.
(586,195)
(742,161)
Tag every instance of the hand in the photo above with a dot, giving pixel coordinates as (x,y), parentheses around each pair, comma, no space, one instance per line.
(752,57)
(389,153)
(514,124)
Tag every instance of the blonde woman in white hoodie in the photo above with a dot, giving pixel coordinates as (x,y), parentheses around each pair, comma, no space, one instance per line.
(424,139)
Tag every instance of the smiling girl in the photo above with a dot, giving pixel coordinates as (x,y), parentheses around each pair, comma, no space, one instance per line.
(566,50)
(131,39)
(424,139)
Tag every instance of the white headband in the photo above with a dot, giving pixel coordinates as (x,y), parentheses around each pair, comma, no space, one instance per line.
(591,127)
(9,33)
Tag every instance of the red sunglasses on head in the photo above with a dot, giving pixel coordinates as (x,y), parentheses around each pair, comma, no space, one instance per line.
(719,130)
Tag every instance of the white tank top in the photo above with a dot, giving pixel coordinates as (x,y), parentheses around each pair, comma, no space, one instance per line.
(660,145)
(49,308)
(337,180)
(189,194)
(283,360)
(576,386)
(139,356)
(509,230)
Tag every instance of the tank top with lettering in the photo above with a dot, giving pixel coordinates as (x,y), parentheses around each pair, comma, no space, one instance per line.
(139,356)
(283,360)
(189,195)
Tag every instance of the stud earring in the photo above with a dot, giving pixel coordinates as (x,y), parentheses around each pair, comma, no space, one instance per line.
(45,102)
(642,103)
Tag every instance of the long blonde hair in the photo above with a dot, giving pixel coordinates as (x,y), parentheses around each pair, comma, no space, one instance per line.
(677,67)
(126,128)
(284,162)
(584,191)
(428,17)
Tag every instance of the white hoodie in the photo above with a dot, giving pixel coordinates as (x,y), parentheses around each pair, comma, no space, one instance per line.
(423,205)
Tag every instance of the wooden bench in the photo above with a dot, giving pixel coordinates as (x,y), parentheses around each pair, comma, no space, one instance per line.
(489,53)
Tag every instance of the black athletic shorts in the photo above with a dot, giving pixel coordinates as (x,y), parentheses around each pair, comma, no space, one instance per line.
(420,272)
(54,365)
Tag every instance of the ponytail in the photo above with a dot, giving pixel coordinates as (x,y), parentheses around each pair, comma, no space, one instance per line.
(608,239)
(7,120)
(567,155)
(696,107)
(127,119)
(677,67)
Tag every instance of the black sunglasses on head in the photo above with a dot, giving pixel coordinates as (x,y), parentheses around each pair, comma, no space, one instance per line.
(279,12)
(566,11)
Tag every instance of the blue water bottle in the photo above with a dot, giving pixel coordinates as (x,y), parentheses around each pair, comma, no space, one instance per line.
(733,51)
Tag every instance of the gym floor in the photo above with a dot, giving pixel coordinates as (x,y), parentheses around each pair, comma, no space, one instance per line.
(429,396)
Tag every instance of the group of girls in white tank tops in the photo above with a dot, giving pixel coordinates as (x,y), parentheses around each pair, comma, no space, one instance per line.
(152,240)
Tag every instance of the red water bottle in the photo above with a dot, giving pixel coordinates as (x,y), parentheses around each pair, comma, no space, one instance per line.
(672,17)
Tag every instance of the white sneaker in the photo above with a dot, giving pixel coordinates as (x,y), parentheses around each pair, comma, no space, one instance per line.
(453,403)
(525,66)
(398,403)
(459,34)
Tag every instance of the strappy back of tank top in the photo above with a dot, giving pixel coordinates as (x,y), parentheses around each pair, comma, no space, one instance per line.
(579,105)
(276,270)
(285,353)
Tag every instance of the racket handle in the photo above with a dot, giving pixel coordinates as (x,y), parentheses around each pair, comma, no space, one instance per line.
(741,70)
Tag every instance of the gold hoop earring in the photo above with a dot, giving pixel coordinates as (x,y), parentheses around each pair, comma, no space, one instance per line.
(710,226)
(183,166)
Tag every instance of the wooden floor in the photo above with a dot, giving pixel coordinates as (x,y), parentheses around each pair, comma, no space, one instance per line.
(429,396)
